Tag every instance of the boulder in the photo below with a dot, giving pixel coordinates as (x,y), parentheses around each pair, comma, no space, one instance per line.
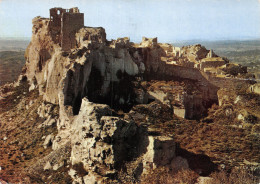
(48,141)
(47,166)
(160,152)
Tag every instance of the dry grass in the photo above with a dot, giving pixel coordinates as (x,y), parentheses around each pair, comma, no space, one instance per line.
(24,140)
(163,175)
(237,176)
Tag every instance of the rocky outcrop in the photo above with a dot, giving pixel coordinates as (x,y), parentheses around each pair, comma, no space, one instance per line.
(195,52)
(255,88)
(111,111)
(64,78)
(94,79)
(102,142)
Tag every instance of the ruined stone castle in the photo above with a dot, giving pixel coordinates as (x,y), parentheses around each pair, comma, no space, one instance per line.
(109,98)
(64,23)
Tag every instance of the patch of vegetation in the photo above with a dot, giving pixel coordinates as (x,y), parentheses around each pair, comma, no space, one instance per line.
(23,145)
(237,175)
(163,175)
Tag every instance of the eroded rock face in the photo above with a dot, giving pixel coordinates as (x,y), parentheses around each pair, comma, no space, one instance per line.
(103,143)
(100,141)
(104,71)
(53,70)
(96,72)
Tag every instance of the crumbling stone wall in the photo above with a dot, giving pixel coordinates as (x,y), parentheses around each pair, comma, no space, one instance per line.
(55,23)
(72,22)
(91,35)
(64,23)
(212,62)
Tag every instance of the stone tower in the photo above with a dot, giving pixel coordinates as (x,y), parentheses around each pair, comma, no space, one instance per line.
(64,23)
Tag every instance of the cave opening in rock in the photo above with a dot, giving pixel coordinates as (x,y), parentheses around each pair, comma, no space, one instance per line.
(200,163)
(77,104)
(119,95)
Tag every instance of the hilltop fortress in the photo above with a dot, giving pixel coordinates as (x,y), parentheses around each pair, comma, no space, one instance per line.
(64,23)
(62,41)
(110,94)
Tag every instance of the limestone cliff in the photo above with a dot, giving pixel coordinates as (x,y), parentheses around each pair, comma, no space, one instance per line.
(105,100)
(102,71)
(96,69)
(108,72)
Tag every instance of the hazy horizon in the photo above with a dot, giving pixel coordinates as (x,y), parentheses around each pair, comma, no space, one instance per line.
(190,40)
(169,20)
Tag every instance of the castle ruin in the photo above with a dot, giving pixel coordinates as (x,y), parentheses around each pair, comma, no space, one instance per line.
(64,23)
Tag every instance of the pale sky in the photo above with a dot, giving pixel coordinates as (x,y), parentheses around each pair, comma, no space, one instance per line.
(169,20)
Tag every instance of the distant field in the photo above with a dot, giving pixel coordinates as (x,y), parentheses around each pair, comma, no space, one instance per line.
(11,64)
(250,58)
(11,59)
(13,45)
